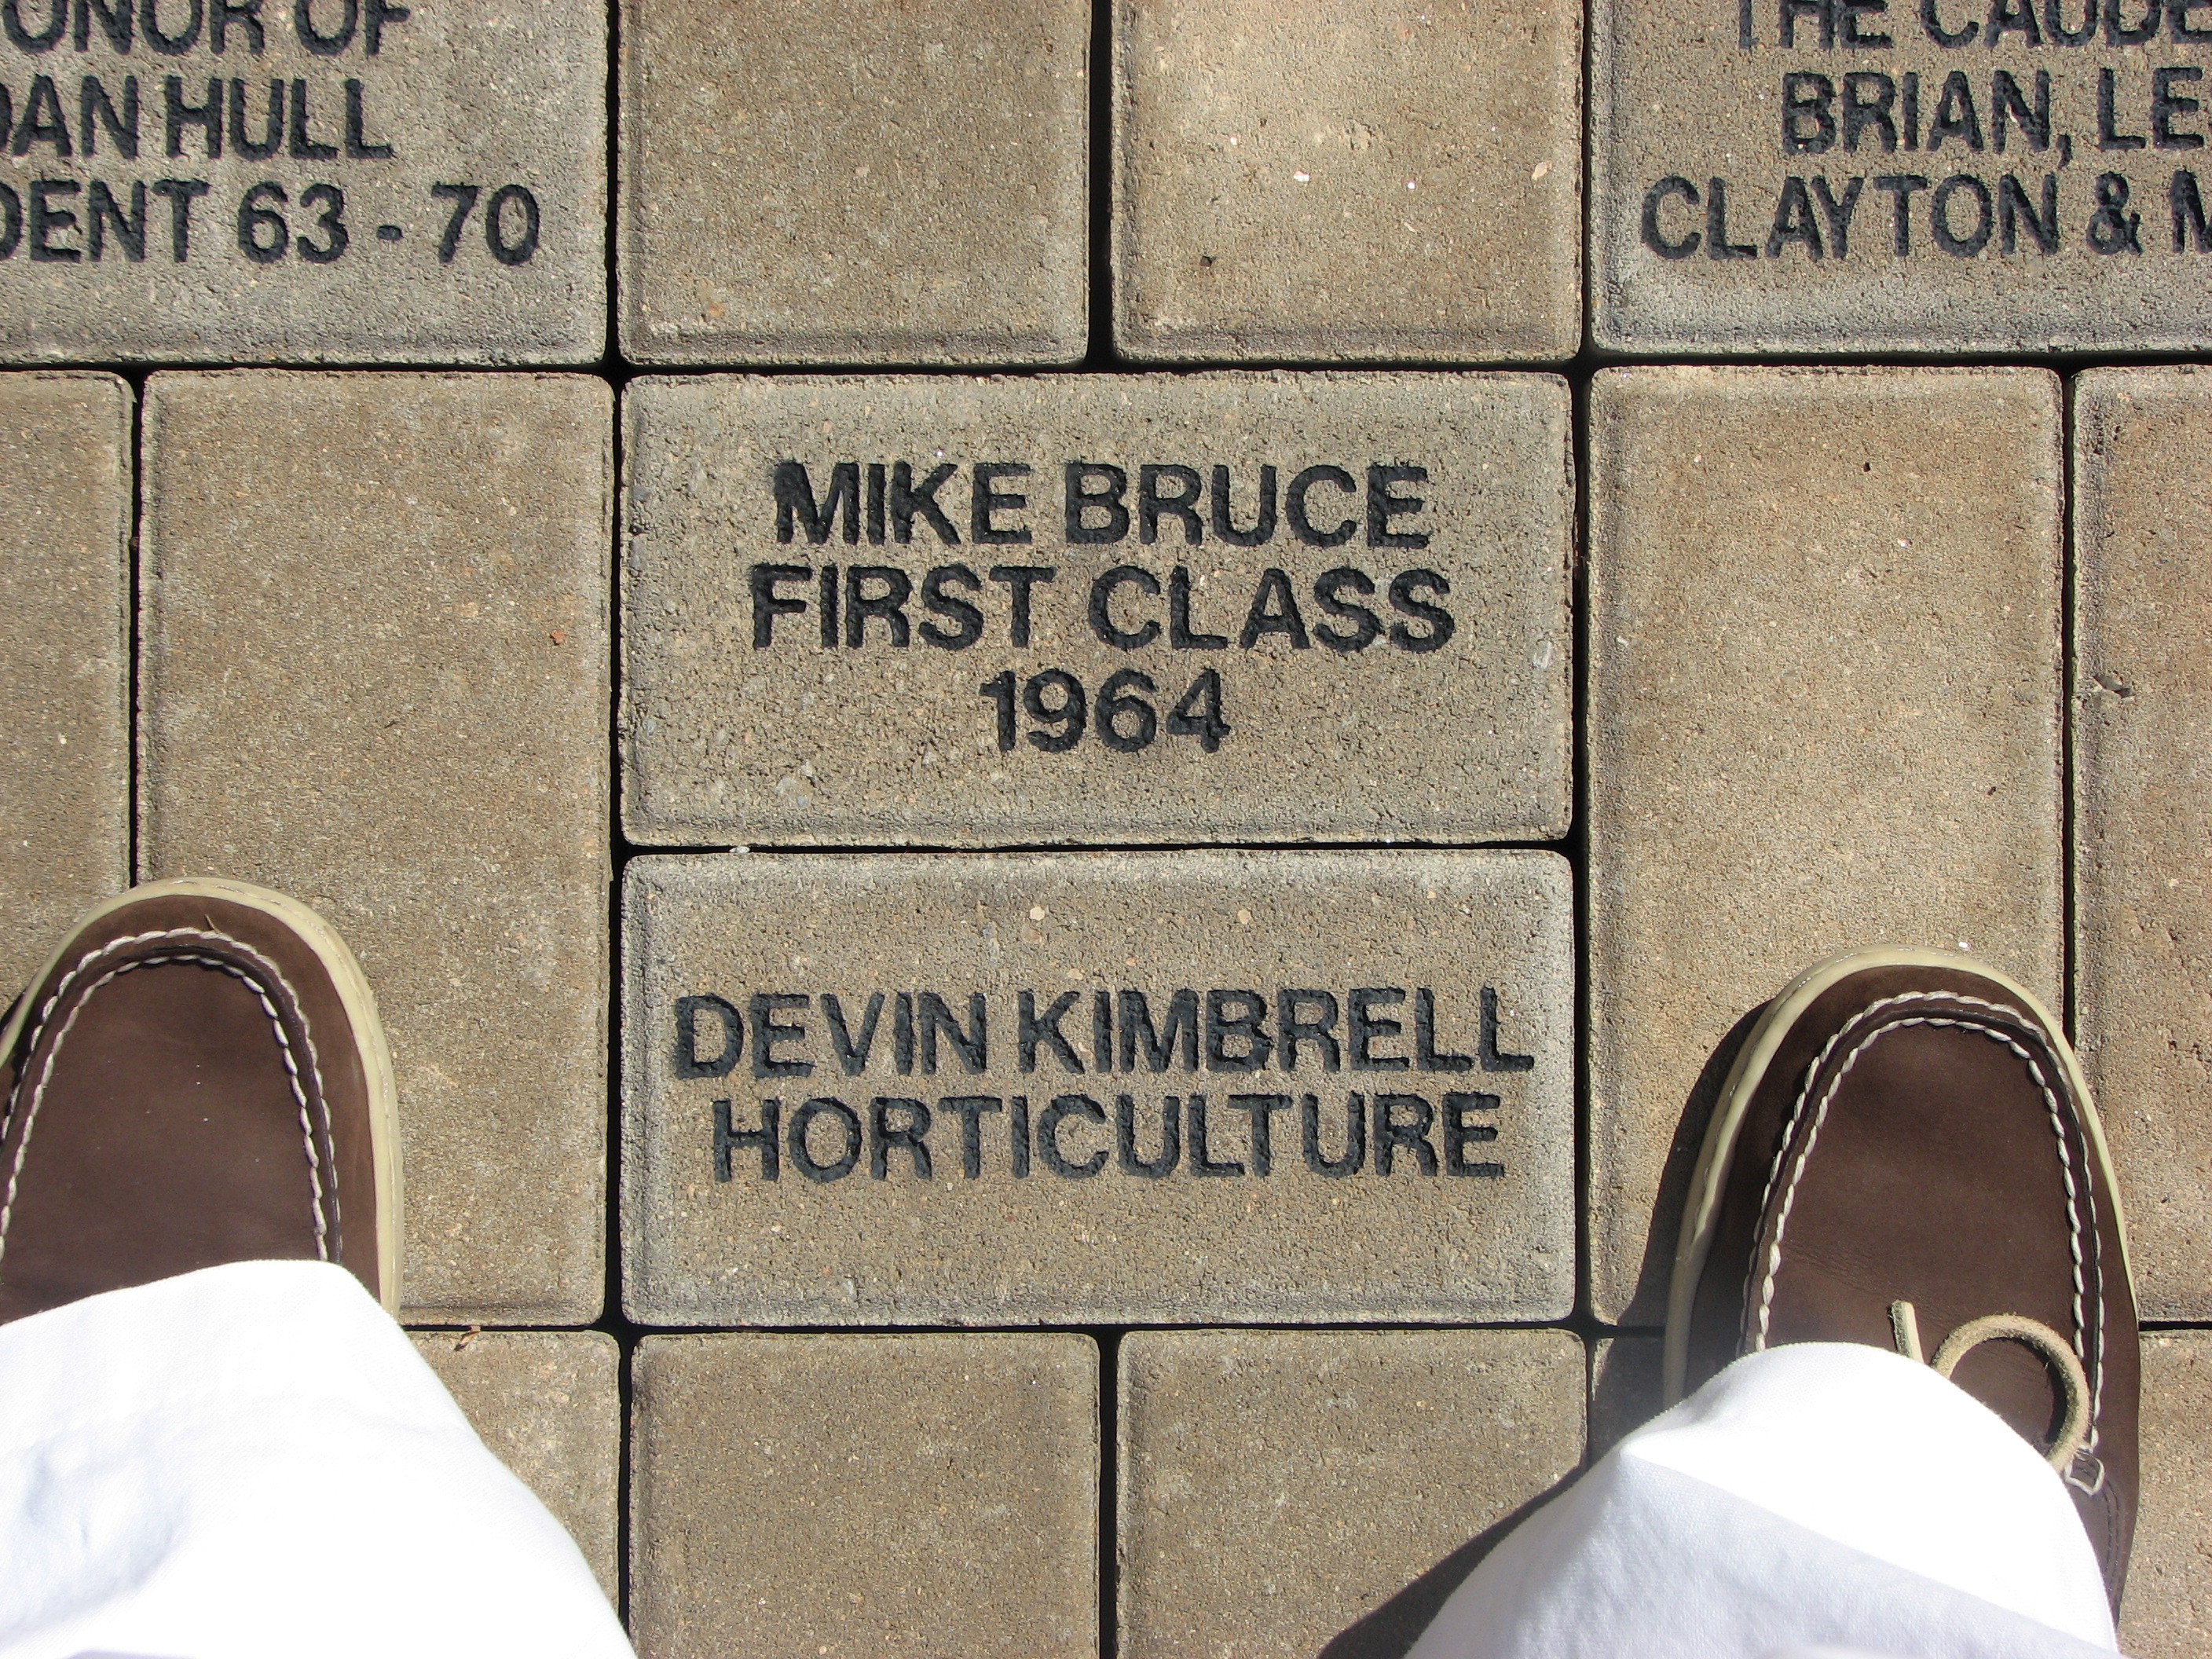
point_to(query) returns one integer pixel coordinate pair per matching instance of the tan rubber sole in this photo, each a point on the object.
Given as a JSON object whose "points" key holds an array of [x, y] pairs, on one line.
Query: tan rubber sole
{"points": [[360, 1003], [1701, 1212]]}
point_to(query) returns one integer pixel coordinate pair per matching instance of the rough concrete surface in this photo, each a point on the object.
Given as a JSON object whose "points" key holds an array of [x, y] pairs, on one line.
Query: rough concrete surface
{"points": [[1278, 1487], [2167, 1614], [1625, 1388], [1476, 1226], [855, 1495], [1881, 191], [2142, 735], [1823, 639], [373, 673], [197, 184], [547, 1404], [852, 183], [1385, 670], [1378, 181], [64, 657]]}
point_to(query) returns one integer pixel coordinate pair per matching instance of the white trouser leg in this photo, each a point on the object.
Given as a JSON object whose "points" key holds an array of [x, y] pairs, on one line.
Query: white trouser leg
{"points": [[1821, 1495], [253, 1460]]}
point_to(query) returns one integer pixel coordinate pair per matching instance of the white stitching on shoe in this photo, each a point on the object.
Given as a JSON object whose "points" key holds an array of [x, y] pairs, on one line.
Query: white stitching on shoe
{"points": [[2077, 1197], [324, 1232]]}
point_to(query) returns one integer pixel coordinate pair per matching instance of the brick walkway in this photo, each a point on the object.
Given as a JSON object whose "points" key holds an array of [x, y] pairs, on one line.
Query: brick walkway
{"points": [[691, 756]]}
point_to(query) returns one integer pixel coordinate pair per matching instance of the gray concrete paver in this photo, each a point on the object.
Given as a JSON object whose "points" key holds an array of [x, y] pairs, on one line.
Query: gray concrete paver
{"points": [[851, 183], [296, 183], [1823, 712], [1278, 1487], [1375, 181], [1056, 1088], [65, 658], [547, 1404], [2143, 730], [373, 673], [1839, 181], [926, 1495], [1387, 659]]}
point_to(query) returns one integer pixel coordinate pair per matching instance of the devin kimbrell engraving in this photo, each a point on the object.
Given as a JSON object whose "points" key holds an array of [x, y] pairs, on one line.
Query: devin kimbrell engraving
{"points": [[1076, 1135]]}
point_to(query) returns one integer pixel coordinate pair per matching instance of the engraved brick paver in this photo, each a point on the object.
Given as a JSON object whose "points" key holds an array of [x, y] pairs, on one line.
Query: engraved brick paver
{"points": [[1112, 609], [853, 183], [1158, 1088], [374, 665], [1380, 181], [1823, 634], [1278, 1486], [2143, 804], [65, 658], [304, 184], [1872, 178], [847, 1495], [548, 1404]]}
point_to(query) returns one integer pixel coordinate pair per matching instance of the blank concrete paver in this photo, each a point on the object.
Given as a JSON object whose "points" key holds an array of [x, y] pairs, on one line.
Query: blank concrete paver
{"points": [[2167, 1614], [65, 658], [1823, 637], [927, 1495], [1380, 181], [854, 183], [1278, 1487], [1164, 1088], [329, 183], [547, 1404], [1877, 178], [2143, 732], [373, 673], [1263, 607]]}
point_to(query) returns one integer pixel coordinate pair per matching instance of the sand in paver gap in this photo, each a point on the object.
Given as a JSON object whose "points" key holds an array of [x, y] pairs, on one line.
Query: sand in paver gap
{"points": [[850, 183], [1823, 640], [1376, 181], [1279, 1487], [926, 1495], [1165, 1088], [944, 612], [304, 184], [1945, 179], [64, 651], [373, 673], [549, 1406], [2143, 727]]}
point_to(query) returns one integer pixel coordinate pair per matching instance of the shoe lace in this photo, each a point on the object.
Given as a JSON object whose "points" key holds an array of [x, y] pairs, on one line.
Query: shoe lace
{"points": [[2073, 1431]]}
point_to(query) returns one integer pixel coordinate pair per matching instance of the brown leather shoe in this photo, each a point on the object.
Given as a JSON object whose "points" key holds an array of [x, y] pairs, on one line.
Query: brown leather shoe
{"points": [[197, 1077], [1905, 1153]]}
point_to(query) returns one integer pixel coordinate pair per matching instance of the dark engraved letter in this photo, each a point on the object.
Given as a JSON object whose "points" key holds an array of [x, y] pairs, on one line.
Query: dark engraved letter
{"points": [[1201, 1161], [1390, 1133], [884, 1134], [1064, 1107], [689, 1062], [767, 1033], [1459, 1134], [729, 1138], [1125, 1138], [1261, 1109], [1159, 1047], [1033, 1028], [848, 1123], [794, 499], [1355, 1136]]}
